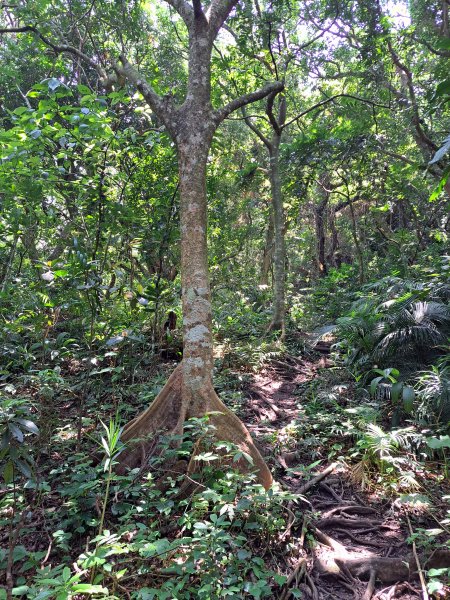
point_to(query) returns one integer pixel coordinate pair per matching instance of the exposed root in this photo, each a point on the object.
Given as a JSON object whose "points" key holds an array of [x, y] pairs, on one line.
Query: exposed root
{"points": [[294, 578], [370, 586], [387, 570], [357, 540], [312, 587], [343, 523], [277, 326], [417, 561], [348, 509], [165, 414], [340, 562], [168, 413], [228, 427]]}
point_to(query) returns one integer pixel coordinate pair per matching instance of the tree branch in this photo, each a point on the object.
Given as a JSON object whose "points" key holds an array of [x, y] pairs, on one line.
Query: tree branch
{"points": [[217, 14], [398, 156], [183, 9], [198, 10], [163, 107], [407, 82], [330, 99], [221, 113], [445, 53], [269, 112], [58, 49], [255, 129]]}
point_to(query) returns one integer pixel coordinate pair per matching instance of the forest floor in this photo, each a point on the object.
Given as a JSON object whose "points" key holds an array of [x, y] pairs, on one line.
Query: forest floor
{"points": [[343, 533], [359, 524]]}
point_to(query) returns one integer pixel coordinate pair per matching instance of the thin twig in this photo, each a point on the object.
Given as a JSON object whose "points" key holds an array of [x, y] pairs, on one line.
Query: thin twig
{"points": [[419, 568]]}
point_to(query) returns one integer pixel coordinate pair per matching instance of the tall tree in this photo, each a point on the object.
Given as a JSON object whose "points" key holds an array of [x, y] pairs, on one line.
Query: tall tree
{"points": [[189, 391]]}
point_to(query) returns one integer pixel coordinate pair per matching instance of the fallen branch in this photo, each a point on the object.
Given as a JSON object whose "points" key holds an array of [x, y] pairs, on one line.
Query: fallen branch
{"points": [[312, 482]]}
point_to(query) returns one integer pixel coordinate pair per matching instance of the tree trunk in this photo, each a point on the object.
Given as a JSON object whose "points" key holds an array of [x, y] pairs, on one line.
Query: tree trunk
{"points": [[334, 257], [189, 391], [279, 255], [268, 251], [359, 253], [196, 295], [320, 218]]}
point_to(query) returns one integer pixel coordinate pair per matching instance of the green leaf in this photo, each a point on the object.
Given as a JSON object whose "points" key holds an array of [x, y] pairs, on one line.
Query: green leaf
{"points": [[408, 399], [434, 586], [443, 88], [395, 391], [8, 472], [23, 467], [441, 152], [35, 133], [438, 190], [20, 590], [29, 425], [443, 43], [437, 572], [87, 588], [15, 432], [439, 443], [374, 384], [53, 84]]}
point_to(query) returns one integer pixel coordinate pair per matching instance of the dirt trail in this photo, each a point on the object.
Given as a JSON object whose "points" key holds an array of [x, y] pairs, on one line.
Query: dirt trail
{"points": [[360, 551]]}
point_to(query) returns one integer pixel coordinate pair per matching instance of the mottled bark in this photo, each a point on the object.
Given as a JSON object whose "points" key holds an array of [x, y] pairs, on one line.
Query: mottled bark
{"points": [[279, 253], [268, 250], [334, 257], [359, 252], [196, 296], [320, 217], [279, 229]]}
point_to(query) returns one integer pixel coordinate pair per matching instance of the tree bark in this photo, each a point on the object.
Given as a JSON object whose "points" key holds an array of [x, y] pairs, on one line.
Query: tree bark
{"points": [[189, 391], [196, 295], [358, 249], [279, 254], [320, 238], [334, 257], [279, 229], [268, 250], [320, 218]]}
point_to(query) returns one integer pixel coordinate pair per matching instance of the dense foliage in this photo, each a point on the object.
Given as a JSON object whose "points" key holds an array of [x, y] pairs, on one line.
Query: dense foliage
{"points": [[350, 216]]}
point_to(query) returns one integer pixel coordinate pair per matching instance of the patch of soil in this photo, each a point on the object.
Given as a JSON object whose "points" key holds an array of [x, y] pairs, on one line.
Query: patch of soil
{"points": [[355, 548]]}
